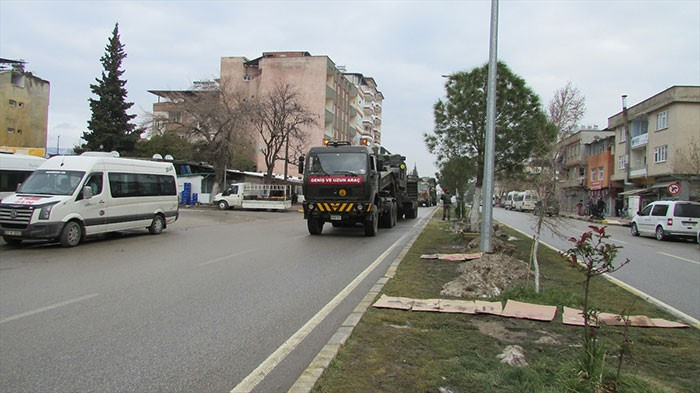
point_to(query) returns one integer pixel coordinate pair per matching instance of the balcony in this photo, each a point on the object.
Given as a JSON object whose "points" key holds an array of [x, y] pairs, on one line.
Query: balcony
{"points": [[638, 172], [639, 141]]}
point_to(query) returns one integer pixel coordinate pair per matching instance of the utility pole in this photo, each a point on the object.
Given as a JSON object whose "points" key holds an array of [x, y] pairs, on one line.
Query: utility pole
{"points": [[487, 191], [628, 140]]}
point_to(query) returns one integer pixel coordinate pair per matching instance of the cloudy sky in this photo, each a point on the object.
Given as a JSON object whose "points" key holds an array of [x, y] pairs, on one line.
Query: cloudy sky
{"points": [[604, 48]]}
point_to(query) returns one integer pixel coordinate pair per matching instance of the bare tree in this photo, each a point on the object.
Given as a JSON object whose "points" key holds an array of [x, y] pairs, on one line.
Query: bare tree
{"points": [[216, 119], [686, 166], [280, 121], [566, 109]]}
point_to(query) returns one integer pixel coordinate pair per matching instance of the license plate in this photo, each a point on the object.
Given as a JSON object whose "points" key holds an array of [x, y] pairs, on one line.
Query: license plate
{"points": [[336, 217], [13, 233]]}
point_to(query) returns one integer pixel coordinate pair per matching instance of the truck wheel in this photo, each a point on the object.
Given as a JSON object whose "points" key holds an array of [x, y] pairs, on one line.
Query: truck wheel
{"points": [[372, 225], [223, 205], [71, 234], [315, 225], [412, 213]]}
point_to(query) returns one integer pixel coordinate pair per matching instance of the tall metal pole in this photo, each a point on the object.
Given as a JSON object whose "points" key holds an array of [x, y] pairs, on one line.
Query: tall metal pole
{"points": [[628, 140], [487, 186]]}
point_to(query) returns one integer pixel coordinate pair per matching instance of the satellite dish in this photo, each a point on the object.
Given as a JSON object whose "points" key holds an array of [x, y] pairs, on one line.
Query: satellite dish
{"points": [[157, 157], [168, 157]]}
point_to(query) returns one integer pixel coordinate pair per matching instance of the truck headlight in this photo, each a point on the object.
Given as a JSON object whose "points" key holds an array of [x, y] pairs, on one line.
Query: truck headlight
{"points": [[311, 206], [360, 207], [45, 211]]}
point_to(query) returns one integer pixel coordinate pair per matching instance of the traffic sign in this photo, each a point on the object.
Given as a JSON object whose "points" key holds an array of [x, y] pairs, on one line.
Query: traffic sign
{"points": [[674, 188]]}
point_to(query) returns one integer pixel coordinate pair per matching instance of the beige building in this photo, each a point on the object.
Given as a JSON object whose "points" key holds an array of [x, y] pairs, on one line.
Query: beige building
{"points": [[574, 180], [663, 129], [24, 109], [347, 105]]}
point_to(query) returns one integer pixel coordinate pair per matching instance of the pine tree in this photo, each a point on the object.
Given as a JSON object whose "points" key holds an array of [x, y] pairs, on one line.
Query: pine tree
{"points": [[109, 126]]}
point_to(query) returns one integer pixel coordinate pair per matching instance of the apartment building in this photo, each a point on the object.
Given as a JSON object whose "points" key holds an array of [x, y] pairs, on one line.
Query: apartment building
{"points": [[24, 109], [662, 130], [600, 167], [347, 105], [574, 179]]}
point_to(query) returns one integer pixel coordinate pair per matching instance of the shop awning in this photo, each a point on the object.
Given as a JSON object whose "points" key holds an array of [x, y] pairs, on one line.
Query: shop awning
{"points": [[632, 192], [663, 185]]}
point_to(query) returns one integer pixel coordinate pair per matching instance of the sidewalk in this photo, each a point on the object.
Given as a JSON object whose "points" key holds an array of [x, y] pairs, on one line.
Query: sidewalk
{"points": [[609, 220]]}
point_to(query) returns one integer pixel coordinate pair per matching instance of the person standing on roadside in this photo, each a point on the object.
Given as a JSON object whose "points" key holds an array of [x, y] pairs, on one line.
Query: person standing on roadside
{"points": [[446, 204]]}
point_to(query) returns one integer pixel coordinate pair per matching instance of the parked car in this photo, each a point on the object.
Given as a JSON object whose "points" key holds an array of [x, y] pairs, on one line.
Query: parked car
{"points": [[552, 208], [668, 219]]}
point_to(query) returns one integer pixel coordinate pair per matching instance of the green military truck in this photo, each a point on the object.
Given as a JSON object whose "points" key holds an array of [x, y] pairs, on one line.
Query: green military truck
{"points": [[427, 191], [355, 185]]}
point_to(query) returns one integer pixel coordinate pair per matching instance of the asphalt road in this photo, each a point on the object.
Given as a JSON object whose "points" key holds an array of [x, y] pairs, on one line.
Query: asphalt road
{"points": [[665, 270], [195, 309]]}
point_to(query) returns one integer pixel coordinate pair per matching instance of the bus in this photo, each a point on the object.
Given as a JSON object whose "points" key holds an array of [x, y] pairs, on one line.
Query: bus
{"points": [[70, 197], [14, 169]]}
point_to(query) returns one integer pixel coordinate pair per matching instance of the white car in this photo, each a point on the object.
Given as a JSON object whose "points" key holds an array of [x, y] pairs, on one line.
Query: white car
{"points": [[666, 219]]}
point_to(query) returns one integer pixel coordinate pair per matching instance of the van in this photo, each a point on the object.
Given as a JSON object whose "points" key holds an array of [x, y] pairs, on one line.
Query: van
{"points": [[525, 201], [70, 197], [509, 203], [15, 169], [668, 219]]}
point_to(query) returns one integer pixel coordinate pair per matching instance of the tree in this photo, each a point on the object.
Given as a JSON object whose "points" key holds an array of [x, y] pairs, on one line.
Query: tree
{"points": [[454, 175], [280, 120], [110, 127], [460, 124], [565, 110], [216, 119]]}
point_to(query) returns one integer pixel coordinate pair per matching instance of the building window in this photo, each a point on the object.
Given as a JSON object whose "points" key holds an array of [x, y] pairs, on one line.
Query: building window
{"points": [[660, 153], [13, 103], [621, 162], [10, 130], [601, 171], [661, 120], [593, 174]]}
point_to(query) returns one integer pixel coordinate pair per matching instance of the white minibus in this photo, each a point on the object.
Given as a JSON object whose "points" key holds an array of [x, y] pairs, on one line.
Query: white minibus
{"points": [[70, 197], [510, 200], [14, 169], [525, 201]]}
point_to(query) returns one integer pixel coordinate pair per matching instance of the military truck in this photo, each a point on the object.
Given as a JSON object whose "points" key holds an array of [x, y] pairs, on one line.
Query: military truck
{"points": [[427, 191], [356, 185]]}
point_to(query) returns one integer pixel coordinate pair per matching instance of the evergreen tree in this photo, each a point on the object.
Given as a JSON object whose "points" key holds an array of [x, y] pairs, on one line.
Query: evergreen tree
{"points": [[109, 126]]}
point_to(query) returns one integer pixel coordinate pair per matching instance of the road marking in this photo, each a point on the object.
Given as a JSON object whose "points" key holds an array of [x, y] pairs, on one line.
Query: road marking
{"points": [[255, 377], [617, 241], [47, 308], [226, 257], [681, 258]]}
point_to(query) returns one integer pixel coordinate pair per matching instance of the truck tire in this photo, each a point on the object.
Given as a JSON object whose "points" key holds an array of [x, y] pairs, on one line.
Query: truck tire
{"points": [[315, 225], [412, 213], [372, 224], [223, 205]]}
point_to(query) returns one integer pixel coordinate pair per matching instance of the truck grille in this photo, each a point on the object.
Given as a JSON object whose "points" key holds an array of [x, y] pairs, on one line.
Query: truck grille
{"points": [[15, 215]]}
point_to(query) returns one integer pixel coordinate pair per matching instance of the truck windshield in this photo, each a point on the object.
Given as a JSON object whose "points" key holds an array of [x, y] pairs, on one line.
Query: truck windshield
{"points": [[338, 164], [51, 182]]}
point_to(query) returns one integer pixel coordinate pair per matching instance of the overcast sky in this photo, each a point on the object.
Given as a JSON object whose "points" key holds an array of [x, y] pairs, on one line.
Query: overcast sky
{"points": [[604, 48]]}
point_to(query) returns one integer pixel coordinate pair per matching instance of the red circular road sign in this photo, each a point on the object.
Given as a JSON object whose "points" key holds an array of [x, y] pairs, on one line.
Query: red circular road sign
{"points": [[674, 188]]}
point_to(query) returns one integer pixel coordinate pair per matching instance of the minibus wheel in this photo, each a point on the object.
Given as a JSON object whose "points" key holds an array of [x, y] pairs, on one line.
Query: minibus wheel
{"points": [[157, 225], [71, 234]]}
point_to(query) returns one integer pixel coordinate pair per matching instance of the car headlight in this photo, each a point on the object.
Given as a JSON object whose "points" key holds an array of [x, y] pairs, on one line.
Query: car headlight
{"points": [[45, 211]]}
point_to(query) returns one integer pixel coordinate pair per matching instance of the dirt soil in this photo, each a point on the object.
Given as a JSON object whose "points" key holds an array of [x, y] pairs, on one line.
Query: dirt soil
{"points": [[486, 277]]}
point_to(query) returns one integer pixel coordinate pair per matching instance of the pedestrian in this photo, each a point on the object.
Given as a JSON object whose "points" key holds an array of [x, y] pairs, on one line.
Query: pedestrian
{"points": [[446, 204], [601, 207], [579, 207]]}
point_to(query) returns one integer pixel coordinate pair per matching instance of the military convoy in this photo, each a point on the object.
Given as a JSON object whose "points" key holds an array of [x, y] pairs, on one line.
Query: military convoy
{"points": [[427, 191], [356, 185]]}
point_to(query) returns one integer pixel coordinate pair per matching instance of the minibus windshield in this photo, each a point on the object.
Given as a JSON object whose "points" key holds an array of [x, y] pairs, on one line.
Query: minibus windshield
{"points": [[52, 182]]}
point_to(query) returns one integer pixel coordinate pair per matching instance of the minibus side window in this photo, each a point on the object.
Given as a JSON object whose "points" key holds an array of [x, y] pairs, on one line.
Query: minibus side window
{"points": [[94, 181]]}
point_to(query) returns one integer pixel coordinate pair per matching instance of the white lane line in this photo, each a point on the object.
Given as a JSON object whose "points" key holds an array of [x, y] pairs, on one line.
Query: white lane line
{"points": [[255, 377], [226, 257], [47, 308], [617, 241], [681, 258]]}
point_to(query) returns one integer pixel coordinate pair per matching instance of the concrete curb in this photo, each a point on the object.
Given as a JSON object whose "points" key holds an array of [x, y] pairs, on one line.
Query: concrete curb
{"points": [[323, 359]]}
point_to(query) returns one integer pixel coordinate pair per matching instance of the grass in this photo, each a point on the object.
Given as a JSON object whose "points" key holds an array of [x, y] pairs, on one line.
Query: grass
{"points": [[402, 351]]}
